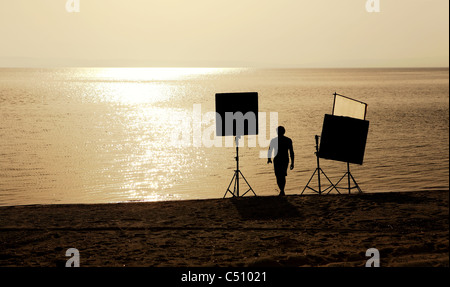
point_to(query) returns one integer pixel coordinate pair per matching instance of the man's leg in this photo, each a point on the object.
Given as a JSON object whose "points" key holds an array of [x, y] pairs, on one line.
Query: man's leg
{"points": [[281, 181]]}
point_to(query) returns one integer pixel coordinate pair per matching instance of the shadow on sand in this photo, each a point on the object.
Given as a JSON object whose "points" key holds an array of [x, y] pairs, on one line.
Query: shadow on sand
{"points": [[394, 197], [265, 207]]}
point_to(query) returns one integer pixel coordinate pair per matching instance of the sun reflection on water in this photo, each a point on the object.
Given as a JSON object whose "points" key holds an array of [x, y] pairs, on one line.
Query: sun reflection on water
{"points": [[144, 85], [139, 158]]}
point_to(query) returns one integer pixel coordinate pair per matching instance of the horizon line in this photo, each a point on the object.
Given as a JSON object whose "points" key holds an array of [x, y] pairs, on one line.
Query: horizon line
{"points": [[222, 67]]}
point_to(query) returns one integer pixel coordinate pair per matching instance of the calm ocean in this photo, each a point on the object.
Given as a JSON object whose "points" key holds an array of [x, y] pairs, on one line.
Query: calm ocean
{"points": [[106, 135]]}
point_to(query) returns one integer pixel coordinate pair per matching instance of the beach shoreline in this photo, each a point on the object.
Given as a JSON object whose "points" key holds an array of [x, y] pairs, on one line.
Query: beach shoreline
{"points": [[407, 228]]}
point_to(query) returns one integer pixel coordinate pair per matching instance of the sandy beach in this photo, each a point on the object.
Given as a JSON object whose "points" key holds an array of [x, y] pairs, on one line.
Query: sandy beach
{"points": [[408, 229]]}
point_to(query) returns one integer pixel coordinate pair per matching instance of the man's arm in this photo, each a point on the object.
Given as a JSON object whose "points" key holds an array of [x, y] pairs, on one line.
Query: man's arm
{"points": [[291, 153], [269, 153]]}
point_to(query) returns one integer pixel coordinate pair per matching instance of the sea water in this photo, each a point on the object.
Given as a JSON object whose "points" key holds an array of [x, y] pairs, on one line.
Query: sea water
{"points": [[102, 135]]}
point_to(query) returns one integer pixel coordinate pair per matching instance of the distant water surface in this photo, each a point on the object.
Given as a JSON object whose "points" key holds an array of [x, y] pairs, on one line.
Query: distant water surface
{"points": [[105, 135]]}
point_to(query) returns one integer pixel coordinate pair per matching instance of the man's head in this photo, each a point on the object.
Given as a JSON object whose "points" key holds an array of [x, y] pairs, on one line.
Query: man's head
{"points": [[281, 131]]}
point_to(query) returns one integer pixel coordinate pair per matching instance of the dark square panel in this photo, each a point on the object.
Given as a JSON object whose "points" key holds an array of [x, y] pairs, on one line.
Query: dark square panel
{"points": [[244, 114], [343, 139]]}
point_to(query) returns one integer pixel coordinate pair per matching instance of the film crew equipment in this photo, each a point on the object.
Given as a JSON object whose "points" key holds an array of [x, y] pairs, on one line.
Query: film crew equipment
{"points": [[319, 170], [344, 137], [233, 111], [348, 107]]}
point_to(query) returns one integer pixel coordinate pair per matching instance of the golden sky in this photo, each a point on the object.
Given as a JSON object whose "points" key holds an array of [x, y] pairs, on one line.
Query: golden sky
{"points": [[210, 33]]}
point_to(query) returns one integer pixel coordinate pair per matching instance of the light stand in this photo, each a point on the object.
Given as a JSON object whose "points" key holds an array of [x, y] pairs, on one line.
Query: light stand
{"points": [[319, 170], [235, 177], [349, 176]]}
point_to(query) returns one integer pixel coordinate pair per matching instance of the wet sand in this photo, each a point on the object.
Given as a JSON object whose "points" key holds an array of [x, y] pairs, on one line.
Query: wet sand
{"points": [[408, 229]]}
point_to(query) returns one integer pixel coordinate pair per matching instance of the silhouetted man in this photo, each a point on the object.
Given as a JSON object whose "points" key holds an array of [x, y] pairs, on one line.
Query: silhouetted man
{"points": [[282, 148]]}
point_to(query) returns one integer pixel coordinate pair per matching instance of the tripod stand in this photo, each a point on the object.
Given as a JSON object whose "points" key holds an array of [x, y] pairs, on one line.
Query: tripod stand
{"points": [[349, 176], [235, 177], [319, 170]]}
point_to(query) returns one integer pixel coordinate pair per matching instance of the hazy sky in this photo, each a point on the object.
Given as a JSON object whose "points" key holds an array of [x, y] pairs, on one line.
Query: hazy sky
{"points": [[259, 33]]}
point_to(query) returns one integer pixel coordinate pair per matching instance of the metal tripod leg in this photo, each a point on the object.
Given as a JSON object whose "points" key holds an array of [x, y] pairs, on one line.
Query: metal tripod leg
{"points": [[331, 184], [318, 170], [247, 184], [320, 191], [349, 177], [228, 188], [235, 177], [236, 187], [307, 185]]}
